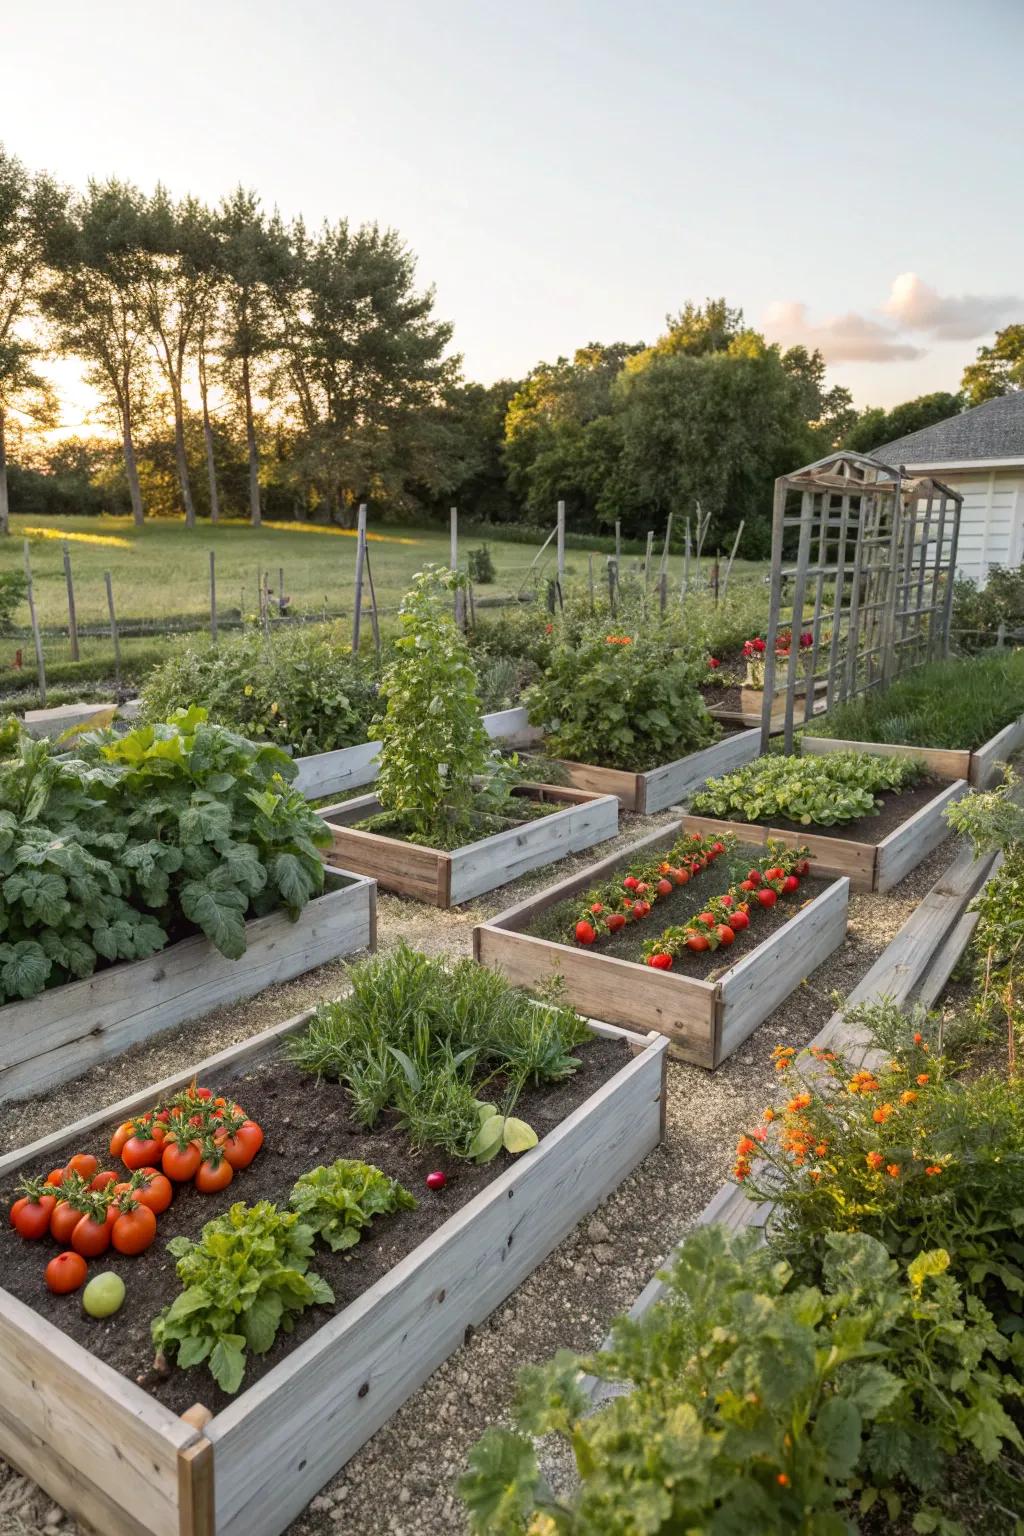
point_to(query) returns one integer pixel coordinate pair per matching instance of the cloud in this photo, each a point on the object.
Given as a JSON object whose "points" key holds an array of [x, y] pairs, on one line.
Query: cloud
{"points": [[848, 338], [918, 307]]}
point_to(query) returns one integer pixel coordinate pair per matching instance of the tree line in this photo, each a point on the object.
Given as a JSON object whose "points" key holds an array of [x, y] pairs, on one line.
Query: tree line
{"points": [[247, 365]]}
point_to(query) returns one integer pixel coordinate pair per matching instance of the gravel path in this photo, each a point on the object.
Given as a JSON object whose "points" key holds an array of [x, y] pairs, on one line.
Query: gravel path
{"points": [[402, 1482]]}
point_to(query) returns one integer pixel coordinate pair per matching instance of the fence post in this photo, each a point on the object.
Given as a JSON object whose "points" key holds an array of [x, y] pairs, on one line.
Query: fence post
{"points": [[453, 562], [113, 628], [647, 555], [69, 582], [374, 620], [36, 636], [561, 546], [664, 552], [663, 592], [280, 590], [590, 576], [612, 573], [213, 597], [618, 542], [732, 557], [357, 611]]}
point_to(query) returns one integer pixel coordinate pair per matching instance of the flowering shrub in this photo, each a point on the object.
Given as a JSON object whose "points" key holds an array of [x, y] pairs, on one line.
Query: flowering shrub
{"points": [[621, 701], [759, 1405]]}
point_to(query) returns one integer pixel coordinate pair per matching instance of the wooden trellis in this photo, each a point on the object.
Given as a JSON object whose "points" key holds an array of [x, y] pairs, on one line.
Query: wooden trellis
{"points": [[864, 556]]}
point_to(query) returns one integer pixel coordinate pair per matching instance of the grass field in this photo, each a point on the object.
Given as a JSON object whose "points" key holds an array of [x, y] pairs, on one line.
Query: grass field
{"points": [[162, 572]]}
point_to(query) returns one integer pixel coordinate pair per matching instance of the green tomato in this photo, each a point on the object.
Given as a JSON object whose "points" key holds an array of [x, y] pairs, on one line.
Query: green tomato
{"points": [[103, 1295]]}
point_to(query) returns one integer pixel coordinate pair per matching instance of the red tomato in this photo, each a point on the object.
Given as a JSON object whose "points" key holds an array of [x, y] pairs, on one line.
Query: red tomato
{"points": [[180, 1161], [203, 1093], [616, 921], [214, 1174], [660, 962], [790, 884], [120, 1136], [726, 900], [738, 921], [585, 933], [65, 1273], [706, 918], [803, 868], [63, 1221], [240, 1149], [141, 1152], [725, 934], [55, 1177], [84, 1164], [596, 908], [630, 883], [767, 897], [103, 1179], [754, 876], [664, 887], [642, 887], [134, 1230], [30, 1217], [697, 941], [641, 908], [156, 1191], [91, 1237], [681, 876], [717, 848], [775, 873]]}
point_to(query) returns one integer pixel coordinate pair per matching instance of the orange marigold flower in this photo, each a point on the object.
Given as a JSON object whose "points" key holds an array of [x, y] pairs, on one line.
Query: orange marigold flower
{"points": [[881, 1114], [741, 1171], [744, 1147], [922, 1078], [821, 1149], [782, 1480], [894, 1170], [815, 1174], [874, 1160], [769, 1115], [919, 1038], [933, 1169], [908, 1097], [800, 1102]]}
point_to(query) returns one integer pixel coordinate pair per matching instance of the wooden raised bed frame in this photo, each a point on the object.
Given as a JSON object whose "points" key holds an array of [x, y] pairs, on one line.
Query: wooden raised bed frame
{"points": [[59, 1034], [705, 1021], [125, 1465], [445, 879], [669, 783], [979, 767], [869, 866]]}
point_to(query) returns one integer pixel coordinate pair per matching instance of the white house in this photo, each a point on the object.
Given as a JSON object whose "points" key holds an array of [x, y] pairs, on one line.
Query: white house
{"points": [[979, 453]]}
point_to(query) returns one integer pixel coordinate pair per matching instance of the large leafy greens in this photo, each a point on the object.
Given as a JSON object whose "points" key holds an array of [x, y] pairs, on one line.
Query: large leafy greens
{"points": [[337, 1202], [113, 848]]}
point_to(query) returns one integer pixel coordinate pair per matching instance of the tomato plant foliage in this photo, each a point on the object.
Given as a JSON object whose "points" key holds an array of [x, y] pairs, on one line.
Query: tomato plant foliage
{"points": [[113, 848]]}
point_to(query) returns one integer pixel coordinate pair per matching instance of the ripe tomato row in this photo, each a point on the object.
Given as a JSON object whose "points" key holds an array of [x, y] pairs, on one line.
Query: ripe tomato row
{"points": [[729, 914], [610, 909], [194, 1138]]}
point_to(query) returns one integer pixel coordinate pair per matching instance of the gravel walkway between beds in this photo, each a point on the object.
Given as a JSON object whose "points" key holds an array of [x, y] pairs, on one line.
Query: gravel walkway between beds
{"points": [[402, 1482]]}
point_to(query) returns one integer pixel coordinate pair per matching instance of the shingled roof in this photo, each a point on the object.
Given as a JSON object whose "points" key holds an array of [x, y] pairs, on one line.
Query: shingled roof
{"points": [[994, 430]]}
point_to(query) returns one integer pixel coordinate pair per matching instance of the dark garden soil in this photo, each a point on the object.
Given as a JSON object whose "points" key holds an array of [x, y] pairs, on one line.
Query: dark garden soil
{"points": [[897, 806], [557, 923], [306, 1123], [469, 829], [716, 697]]}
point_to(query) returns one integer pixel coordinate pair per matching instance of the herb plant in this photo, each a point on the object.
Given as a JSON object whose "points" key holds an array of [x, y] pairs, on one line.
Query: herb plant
{"points": [[758, 1404], [480, 565], [112, 849], [822, 791], [245, 1279], [428, 1041], [621, 700], [338, 1202]]}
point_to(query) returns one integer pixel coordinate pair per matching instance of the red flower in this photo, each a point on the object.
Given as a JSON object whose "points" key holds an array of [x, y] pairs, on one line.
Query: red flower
{"points": [[713, 662]]}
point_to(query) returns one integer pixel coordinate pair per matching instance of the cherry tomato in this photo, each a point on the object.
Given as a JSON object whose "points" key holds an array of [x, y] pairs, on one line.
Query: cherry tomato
{"points": [[754, 876], [616, 920], [664, 887], [84, 1164], [90, 1237], [681, 876], [156, 1191], [214, 1174], [738, 921], [65, 1273], [585, 933], [790, 884], [134, 1230], [30, 1217]]}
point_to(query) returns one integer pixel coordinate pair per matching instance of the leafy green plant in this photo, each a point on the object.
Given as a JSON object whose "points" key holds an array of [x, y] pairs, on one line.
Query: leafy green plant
{"points": [[480, 564], [822, 791], [13, 588], [111, 849], [978, 612], [955, 704], [425, 1039], [758, 1404], [302, 689], [246, 1279], [338, 1202], [621, 700]]}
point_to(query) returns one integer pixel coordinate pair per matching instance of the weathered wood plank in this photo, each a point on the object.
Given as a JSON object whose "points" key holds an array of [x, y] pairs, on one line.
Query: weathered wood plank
{"points": [[405, 868], [293, 1430], [832, 855], [752, 988], [942, 763], [984, 770], [52, 1038], [672, 782], [904, 848], [496, 860], [196, 1510], [627, 786], [69, 1416]]}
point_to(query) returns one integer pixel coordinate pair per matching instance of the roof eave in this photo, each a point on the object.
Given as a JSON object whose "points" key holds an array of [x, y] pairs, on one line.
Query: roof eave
{"points": [[929, 466]]}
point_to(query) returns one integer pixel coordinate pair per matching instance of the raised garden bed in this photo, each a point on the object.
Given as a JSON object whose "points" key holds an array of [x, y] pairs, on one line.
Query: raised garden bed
{"points": [[335, 773], [705, 1019], [669, 783], [126, 1464], [444, 879], [875, 852], [62, 1032], [979, 767]]}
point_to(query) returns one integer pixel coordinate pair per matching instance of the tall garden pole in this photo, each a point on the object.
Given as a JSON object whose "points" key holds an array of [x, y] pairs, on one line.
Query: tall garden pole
{"points": [[374, 620], [664, 552], [213, 597], [36, 636], [561, 545], [647, 555], [732, 557], [453, 562], [590, 573], [113, 628], [618, 542], [357, 611], [69, 582], [280, 589]]}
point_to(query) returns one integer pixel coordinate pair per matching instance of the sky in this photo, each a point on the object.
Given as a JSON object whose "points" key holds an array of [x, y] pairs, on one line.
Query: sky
{"points": [[569, 171]]}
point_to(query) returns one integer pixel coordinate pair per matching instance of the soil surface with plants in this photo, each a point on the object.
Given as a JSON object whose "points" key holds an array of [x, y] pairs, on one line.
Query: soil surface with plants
{"points": [[305, 1123], [896, 807]]}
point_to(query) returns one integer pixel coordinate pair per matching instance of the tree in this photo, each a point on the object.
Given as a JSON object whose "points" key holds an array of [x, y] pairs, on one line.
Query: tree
{"points": [[474, 418], [875, 427], [28, 206], [829, 413], [999, 369], [95, 301], [700, 329]]}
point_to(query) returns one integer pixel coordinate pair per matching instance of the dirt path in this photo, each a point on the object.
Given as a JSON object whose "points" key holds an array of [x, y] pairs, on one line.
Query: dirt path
{"points": [[402, 1482]]}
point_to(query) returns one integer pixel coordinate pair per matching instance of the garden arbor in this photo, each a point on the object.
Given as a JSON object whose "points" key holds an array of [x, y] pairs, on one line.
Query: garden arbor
{"points": [[863, 558]]}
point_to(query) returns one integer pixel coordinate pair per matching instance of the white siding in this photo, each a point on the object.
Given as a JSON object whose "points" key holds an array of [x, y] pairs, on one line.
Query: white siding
{"points": [[992, 520]]}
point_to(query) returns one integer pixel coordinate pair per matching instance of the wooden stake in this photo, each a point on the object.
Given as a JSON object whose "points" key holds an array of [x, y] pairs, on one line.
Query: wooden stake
{"points": [[647, 556], [663, 592], [374, 621], [453, 562], [280, 590], [113, 628], [357, 611], [664, 551], [69, 582], [36, 636], [612, 576], [732, 557], [213, 597], [472, 605], [590, 574], [618, 542], [561, 546]]}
